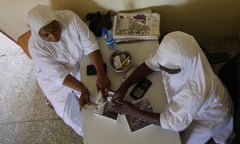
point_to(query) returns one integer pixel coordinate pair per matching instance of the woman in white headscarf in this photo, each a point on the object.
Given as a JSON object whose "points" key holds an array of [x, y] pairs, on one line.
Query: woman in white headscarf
{"points": [[58, 42], [198, 103]]}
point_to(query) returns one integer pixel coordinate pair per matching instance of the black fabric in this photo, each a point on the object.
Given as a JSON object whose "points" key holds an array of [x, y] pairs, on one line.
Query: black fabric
{"points": [[230, 76], [236, 140], [160, 38], [99, 21]]}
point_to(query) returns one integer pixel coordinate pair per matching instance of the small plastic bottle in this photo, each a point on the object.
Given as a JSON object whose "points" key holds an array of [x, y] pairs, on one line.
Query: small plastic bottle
{"points": [[108, 38]]}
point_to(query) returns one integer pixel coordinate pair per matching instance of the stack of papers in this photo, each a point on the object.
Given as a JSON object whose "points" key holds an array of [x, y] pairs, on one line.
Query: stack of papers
{"points": [[136, 123], [136, 26]]}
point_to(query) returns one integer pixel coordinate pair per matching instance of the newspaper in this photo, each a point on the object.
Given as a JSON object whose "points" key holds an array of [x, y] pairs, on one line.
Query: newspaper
{"points": [[136, 26], [136, 123]]}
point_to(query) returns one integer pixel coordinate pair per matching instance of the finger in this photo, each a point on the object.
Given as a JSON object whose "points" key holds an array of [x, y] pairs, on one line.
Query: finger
{"points": [[118, 109], [81, 104], [105, 91], [86, 99], [91, 103], [98, 87], [114, 98], [117, 104], [108, 86], [83, 101], [120, 102]]}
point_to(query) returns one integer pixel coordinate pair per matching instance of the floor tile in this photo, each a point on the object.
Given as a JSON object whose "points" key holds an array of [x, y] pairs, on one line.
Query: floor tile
{"points": [[20, 96], [38, 132]]}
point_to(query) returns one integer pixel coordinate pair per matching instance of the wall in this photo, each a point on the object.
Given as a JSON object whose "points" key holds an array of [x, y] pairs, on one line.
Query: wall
{"points": [[13, 15], [202, 18]]}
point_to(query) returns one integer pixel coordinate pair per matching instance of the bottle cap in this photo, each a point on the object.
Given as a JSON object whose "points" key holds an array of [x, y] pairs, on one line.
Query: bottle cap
{"points": [[104, 30]]}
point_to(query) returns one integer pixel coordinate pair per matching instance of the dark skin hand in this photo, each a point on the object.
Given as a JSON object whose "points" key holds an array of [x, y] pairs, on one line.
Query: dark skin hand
{"points": [[128, 108], [73, 83], [103, 83], [125, 107], [139, 73]]}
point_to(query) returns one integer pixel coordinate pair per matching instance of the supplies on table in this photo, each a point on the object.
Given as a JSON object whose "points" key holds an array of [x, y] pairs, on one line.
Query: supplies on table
{"points": [[121, 60], [103, 107], [136, 26]]}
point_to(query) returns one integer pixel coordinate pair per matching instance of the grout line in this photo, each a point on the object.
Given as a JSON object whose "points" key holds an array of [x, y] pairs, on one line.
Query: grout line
{"points": [[13, 122]]}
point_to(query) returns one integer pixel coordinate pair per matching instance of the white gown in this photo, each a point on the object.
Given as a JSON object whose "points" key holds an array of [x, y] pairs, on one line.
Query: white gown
{"points": [[198, 103], [55, 60]]}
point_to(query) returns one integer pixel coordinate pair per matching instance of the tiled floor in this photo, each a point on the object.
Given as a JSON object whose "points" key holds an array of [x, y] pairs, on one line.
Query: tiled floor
{"points": [[24, 117]]}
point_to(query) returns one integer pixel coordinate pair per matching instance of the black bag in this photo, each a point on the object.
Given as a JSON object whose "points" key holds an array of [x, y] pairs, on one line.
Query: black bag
{"points": [[230, 76], [99, 21]]}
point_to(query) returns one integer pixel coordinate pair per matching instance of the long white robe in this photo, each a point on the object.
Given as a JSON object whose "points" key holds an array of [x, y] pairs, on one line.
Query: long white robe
{"points": [[198, 103], [55, 60]]}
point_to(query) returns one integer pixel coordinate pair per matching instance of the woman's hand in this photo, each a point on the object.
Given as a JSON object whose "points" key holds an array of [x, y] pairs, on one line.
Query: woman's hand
{"points": [[73, 83], [120, 93], [84, 98], [126, 108], [103, 84]]}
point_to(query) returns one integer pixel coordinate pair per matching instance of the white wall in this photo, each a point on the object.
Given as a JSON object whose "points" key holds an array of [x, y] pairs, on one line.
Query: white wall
{"points": [[120, 5], [13, 15], [202, 18]]}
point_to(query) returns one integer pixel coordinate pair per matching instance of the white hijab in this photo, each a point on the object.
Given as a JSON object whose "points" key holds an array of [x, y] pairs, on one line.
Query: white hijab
{"points": [[193, 94], [181, 50], [176, 50], [40, 16]]}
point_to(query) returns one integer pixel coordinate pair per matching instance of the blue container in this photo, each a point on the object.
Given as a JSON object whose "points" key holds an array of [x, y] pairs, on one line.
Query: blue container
{"points": [[108, 38]]}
